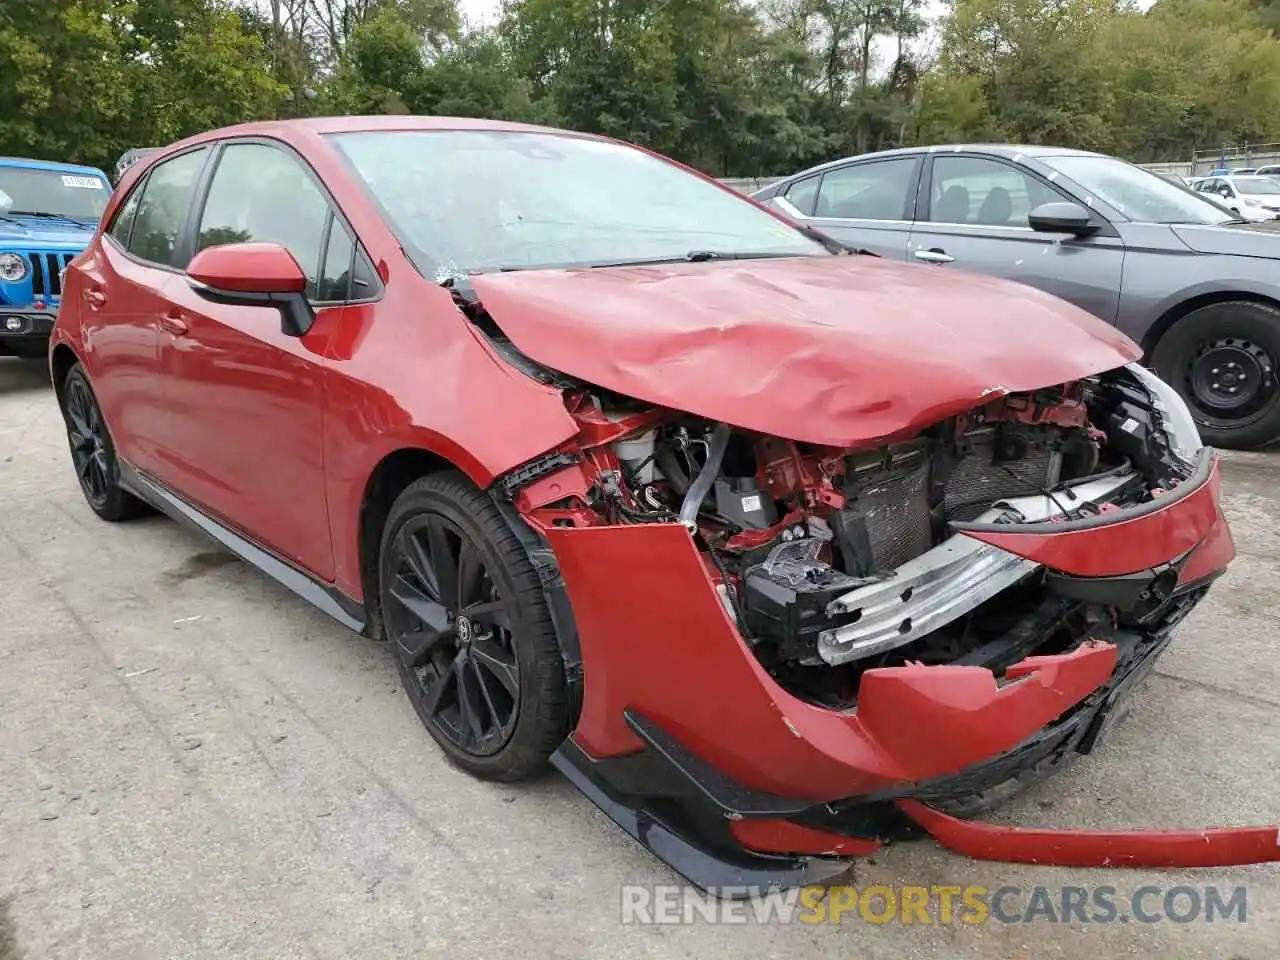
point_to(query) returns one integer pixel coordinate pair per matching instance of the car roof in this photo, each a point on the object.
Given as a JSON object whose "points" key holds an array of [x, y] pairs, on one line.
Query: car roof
{"points": [[1011, 151], [1244, 177], [365, 124], [27, 163]]}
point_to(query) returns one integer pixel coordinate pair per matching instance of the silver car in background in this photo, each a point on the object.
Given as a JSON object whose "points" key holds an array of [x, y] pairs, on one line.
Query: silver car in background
{"points": [[1250, 197], [1196, 284]]}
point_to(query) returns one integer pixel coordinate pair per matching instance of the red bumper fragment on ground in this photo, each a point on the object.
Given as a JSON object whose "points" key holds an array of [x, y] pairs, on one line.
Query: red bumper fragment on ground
{"points": [[1212, 847]]}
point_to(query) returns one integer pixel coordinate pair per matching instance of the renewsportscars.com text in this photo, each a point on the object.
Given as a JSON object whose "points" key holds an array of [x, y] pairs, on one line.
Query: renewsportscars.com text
{"points": [[937, 904]]}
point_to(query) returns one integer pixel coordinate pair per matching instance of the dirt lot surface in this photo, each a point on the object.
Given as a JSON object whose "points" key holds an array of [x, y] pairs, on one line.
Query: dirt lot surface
{"points": [[194, 763]]}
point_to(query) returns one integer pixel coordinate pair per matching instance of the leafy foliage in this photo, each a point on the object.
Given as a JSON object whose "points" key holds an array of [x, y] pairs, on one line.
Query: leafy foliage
{"points": [[734, 87]]}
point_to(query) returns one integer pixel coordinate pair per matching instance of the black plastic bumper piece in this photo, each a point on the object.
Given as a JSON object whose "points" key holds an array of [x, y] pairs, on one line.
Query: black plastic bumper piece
{"points": [[24, 333], [31, 323], [688, 833]]}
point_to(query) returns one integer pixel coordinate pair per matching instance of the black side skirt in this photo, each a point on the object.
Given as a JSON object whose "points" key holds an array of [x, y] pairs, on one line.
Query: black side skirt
{"points": [[347, 611]]}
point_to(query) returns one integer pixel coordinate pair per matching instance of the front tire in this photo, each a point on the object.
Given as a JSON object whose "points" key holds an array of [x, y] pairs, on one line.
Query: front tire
{"points": [[93, 454], [1223, 359], [468, 621]]}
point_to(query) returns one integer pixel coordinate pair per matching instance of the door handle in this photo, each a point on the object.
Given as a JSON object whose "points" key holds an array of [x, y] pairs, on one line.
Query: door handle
{"points": [[934, 256], [174, 324], [94, 297]]}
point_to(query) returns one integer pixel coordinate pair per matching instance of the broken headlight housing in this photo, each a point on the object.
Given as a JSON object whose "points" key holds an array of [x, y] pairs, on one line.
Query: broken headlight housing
{"points": [[1175, 417]]}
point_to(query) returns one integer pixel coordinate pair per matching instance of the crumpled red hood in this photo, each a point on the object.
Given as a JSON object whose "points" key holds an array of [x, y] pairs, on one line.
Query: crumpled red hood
{"points": [[839, 350]]}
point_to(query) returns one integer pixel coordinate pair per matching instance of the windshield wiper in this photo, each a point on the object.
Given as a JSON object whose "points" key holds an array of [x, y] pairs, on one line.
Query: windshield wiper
{"points": [[46, 215], [831, 243], [700, 256]]}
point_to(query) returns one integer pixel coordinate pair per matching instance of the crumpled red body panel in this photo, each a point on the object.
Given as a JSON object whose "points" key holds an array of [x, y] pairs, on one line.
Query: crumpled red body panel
{"points": [[656, 640], [1130, 546], [964, 707], [831, 350], [1210, 847]]}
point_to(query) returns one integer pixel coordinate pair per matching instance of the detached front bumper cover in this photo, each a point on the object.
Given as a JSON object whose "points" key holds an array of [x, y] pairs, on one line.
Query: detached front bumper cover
{"points": [[693, 748]]}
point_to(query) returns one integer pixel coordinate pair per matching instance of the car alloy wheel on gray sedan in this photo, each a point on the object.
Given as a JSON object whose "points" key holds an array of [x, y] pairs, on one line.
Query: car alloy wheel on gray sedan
{"points": [[1223, 359]]}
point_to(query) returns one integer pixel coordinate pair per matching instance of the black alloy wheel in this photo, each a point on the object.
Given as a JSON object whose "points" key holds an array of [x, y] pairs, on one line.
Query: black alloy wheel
{"points": [[88, 447], [473, 639], [1225, 361], [92, 453]]}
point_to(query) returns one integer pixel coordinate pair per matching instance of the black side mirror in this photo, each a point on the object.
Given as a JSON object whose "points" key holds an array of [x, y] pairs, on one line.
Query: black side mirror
{"points": [[1062, 216]]}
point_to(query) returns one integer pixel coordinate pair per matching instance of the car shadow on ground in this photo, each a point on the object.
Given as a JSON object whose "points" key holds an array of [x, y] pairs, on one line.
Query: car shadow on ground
{"points": [[23, 376]]}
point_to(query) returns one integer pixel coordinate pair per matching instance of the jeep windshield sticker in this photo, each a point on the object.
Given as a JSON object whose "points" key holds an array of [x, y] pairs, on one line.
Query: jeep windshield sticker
{"points": [[84, 183]]}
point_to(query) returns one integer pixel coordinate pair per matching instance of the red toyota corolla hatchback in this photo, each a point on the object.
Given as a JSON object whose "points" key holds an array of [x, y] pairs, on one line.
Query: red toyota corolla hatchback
{"points": [[777, 551]]}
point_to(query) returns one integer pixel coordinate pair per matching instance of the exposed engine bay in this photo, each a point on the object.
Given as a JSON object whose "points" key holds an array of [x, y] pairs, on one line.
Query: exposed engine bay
{"points": [[832, 561]]}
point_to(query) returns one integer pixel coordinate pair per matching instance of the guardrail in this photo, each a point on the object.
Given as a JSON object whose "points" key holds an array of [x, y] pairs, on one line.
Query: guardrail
{"points": [[748, 184]]}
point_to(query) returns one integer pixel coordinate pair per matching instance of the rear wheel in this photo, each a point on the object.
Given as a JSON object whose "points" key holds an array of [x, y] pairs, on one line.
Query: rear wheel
{"points": [[92, 453], [1223, 359], [473, 639]]}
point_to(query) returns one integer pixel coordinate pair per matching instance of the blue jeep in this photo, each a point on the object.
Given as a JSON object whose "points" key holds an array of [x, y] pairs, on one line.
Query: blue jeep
{"points": [[48, 213]]}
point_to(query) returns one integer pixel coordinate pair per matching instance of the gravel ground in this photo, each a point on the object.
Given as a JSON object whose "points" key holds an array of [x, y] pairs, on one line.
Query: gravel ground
{"points": [[193, 763]]}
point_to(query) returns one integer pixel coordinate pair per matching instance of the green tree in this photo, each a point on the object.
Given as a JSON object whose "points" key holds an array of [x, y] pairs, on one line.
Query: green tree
{"points": [[64, 85], [474, 78], [195, 65]]}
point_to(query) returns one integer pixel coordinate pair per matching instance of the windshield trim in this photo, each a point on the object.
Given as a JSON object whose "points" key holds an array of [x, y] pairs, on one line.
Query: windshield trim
{"points": [[422, 261]]}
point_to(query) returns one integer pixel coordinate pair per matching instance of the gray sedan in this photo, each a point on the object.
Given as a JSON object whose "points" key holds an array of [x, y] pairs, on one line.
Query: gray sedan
{"points": [[1196, 285]]}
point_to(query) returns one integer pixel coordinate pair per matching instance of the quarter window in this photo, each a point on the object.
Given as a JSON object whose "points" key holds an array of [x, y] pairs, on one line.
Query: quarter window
{"points": [[260, 193], [335, 280], [989, 193], [868, 191], [123, 224], [166, 196]]}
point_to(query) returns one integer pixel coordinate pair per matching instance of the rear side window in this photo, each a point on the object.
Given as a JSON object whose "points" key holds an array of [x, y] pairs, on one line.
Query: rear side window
{"points": [[260, 193], [868, 191], [161, 212]]}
